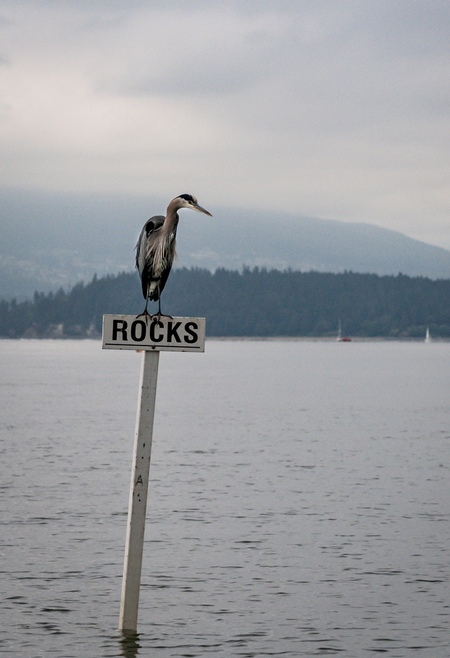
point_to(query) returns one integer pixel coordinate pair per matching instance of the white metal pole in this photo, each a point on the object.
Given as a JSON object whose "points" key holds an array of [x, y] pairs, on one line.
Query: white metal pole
{"points": [[132, 567]]}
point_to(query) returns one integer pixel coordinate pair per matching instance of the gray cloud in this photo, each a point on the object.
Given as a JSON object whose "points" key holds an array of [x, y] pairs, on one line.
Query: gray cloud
{"points": [[338, 108]]}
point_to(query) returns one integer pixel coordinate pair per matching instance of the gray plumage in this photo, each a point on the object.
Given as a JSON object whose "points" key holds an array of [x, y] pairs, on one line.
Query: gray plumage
{"points": [[155, 249]]}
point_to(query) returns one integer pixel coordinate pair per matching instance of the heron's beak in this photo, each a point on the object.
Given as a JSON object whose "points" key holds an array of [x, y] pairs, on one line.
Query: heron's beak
{"points": [[200, 209]]}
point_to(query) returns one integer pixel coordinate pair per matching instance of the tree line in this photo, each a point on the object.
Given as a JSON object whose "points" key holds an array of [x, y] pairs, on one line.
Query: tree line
{"points": [[253, 302]]}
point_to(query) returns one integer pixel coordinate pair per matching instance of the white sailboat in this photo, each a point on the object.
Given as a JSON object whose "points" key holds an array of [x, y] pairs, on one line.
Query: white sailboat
{"points": [[427, 336], [340, 338]]}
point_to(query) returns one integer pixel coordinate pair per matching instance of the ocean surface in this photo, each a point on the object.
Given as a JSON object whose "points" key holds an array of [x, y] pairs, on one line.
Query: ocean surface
{"points": [[299, 500]]}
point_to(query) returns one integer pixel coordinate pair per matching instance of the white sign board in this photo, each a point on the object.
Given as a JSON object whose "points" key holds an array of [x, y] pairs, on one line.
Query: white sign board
{"points": [[131, 332]]}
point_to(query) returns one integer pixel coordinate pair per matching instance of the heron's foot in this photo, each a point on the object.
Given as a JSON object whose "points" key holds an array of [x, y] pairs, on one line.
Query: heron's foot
{"points": [[160, 315], [145, 314]]}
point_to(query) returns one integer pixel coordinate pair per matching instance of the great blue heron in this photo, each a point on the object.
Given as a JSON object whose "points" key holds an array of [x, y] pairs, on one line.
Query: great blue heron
{"points": [[155, 249]]}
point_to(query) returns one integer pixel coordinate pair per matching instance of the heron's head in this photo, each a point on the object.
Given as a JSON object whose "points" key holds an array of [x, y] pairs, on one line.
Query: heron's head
{"points": [[189, 201]]}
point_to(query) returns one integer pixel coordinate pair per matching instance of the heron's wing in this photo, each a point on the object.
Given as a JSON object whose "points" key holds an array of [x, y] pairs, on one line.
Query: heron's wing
{"points": [[144, 252], [164, 277]]}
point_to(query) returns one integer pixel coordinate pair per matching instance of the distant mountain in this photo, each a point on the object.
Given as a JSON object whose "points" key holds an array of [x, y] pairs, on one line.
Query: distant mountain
{"points": [[302, 243], [51, 241]]}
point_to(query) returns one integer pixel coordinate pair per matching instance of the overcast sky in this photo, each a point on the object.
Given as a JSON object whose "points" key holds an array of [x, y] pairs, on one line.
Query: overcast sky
{"points": [[327, 108]]}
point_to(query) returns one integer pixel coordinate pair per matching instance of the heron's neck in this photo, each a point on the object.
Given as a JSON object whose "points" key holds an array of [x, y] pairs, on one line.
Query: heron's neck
{"points": [[172, 218], [171, 223]]}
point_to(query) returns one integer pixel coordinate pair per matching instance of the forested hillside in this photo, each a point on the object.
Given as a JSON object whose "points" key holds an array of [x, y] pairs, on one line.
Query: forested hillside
{"points": [[256, 302]]}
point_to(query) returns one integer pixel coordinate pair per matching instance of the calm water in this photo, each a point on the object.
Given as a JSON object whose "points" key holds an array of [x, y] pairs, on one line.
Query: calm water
{"points": [[299, 500]]}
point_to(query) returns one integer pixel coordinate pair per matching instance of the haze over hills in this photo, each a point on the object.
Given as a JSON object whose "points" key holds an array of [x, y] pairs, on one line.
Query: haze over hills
{"points": [[49, 241]]}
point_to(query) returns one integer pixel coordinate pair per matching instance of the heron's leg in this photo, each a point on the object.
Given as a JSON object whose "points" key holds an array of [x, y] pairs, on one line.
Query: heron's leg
{"points": [[145, 313], [160, 315]]}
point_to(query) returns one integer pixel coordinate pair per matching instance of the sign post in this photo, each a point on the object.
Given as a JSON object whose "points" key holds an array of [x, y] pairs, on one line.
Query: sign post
{"points": [[128, 332]]}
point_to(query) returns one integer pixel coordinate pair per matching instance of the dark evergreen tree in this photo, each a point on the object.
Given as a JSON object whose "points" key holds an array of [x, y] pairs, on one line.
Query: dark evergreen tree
{"points": [[254, 302]]}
